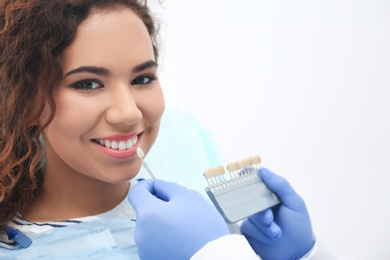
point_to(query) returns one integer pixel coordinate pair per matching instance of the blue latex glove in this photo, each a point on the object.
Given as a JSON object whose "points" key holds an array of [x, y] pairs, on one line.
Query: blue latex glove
{"points": [[283, 232], [173, 222]]}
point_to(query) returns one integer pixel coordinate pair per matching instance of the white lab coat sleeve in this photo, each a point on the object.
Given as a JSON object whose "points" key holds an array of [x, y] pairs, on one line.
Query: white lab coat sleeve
{"points": [[237, 247], [228, 247], [318, 252]]}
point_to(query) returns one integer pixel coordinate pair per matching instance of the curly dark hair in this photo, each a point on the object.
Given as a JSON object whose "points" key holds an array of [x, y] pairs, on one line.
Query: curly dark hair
{"points": [[33, 36]]}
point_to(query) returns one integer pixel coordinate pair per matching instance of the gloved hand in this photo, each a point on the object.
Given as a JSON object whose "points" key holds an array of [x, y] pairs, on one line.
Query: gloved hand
{"points": [[284, 231], [173, 222]]}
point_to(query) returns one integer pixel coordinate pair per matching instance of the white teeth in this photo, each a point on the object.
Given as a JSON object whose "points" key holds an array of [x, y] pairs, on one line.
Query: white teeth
{"points": [[129, 144], [114, 145], [119, 145], [122, 145]]}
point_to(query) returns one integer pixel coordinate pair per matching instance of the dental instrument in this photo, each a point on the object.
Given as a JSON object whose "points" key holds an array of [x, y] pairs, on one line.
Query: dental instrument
{"points": [[243, 193], [141, 155]]}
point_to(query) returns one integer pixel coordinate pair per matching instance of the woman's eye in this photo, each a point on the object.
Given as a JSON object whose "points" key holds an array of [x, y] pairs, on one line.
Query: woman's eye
{"points": [[87, 85], [143, 80]]}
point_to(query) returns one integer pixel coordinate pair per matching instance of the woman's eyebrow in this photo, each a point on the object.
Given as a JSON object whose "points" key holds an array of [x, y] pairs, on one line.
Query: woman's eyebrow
{"points": [[144, 66], [89, 69], [104, 72]]}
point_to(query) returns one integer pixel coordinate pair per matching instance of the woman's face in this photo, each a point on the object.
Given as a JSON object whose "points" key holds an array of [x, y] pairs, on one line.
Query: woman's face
{"points": [[108, 103]]}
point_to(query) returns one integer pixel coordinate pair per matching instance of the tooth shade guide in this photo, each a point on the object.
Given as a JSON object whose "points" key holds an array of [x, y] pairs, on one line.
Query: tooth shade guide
{"points": [[141, 154], [243, 194], [214, 175], [238, 170], [255, 159]]}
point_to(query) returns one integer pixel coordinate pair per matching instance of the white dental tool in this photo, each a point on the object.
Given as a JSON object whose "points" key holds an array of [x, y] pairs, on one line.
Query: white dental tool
{"points": [[141, 155]]}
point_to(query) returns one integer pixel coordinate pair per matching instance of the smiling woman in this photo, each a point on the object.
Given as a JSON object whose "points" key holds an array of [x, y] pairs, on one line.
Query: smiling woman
{"points": [[82, 99], [69, 154], [114, 83], [109, 93]]}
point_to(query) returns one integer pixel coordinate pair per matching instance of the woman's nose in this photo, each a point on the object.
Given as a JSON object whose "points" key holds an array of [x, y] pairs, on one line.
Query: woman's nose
{"points": [[123, 109]]}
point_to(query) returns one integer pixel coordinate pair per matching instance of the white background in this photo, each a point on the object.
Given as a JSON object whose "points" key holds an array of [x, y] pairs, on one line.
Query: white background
{"points": [[304, 84]]}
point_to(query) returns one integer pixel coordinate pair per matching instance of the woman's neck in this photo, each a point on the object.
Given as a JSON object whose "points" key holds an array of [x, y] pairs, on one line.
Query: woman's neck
{"points": [[68, 197]]}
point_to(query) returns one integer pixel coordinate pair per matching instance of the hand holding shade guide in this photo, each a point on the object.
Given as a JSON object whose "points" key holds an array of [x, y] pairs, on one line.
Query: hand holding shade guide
{"points": [[241, 194]]}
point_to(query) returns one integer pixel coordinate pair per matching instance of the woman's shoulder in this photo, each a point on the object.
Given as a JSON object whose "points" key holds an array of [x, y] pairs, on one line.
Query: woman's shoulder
{"points": [[31, 228]]}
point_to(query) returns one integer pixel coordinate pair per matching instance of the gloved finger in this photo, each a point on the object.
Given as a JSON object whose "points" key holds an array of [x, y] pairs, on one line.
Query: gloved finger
{"points": [[283, 190], [168, 190], [264, 217], [142, 193], [264, 223], [262, 233]]}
